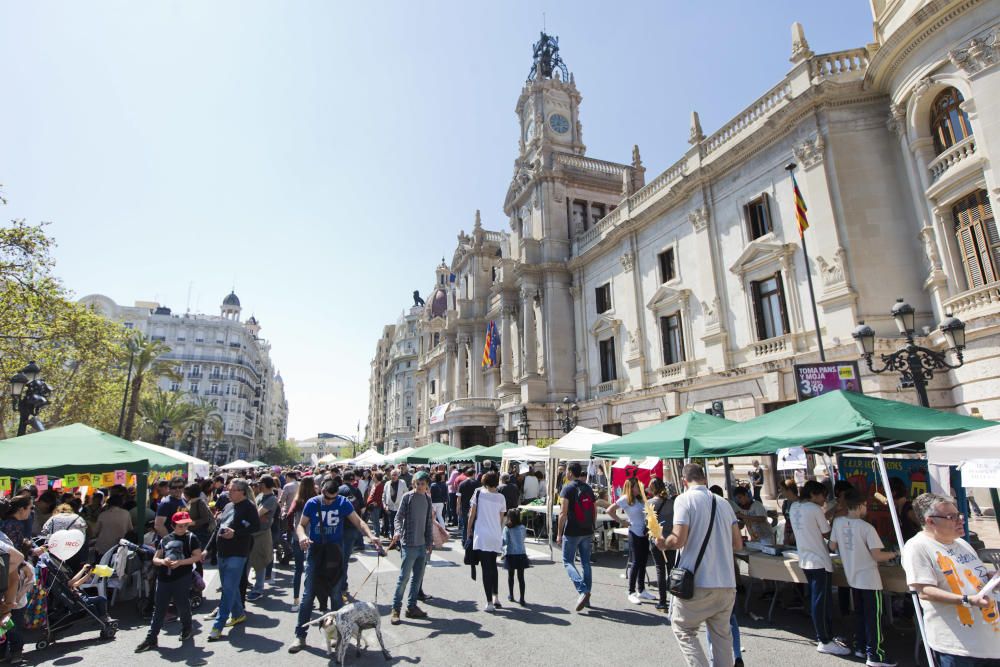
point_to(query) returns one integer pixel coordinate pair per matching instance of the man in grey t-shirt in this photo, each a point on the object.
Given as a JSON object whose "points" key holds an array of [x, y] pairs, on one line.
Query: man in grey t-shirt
{"points": [[715, 577], [262, 552], [414, 530]]}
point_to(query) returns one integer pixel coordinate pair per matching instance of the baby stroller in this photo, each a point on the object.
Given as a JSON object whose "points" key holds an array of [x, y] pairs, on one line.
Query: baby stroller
{"points": [[283, 548], [65, 606], [132, 574]]}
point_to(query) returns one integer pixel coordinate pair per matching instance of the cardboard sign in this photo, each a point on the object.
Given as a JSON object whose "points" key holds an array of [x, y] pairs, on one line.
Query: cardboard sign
{"points": [[42, 482], [119, 477], [70, 481], [130, 480], [83, 479], [4, 483], [107, 479], [25, 482]]}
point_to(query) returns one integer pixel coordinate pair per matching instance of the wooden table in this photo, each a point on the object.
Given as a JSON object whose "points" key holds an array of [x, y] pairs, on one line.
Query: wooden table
{"points": [[785, 569]]}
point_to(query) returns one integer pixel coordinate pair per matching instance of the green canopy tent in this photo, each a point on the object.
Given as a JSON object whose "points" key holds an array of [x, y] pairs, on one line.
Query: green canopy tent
{"points": [[667, 440], [258, 464], [430, 451], [841, 421], [461, 456], [494, 453], [75, 449]]}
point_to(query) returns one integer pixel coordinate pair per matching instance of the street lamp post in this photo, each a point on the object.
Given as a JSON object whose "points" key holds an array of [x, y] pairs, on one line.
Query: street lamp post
{"points": [[566, 414], [189, 441], [914, 363], [163, 432], [522, 427], [29, 392]]}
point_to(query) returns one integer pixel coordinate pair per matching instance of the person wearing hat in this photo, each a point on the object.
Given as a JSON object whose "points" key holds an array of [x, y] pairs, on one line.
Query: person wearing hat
{"points": [[179, 550]]}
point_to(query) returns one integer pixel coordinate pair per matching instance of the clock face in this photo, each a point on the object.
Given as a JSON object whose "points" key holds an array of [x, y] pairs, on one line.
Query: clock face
{"points": [[559, 123]]}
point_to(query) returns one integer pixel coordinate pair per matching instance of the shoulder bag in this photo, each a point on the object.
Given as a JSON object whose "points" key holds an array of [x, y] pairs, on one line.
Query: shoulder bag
{"points": [[680, 583]]}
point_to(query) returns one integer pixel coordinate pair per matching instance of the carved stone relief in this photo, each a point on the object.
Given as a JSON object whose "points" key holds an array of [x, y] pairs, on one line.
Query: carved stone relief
{"points": [[831, 272], [628, 261], [982, 52], [930, 247], [699, 218], [711, 311], [810, 152], [897, 119]]}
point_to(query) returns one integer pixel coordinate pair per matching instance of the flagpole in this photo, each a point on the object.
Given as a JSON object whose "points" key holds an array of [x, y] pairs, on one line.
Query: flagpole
{"points": [[805, 255]]}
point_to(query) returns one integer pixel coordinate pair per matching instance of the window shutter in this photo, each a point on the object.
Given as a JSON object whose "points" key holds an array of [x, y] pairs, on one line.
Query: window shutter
{"points": [[681, 356], [612, 360], [665, 339], [757, 312], [765, 207], [785, 324], [968, 248]]}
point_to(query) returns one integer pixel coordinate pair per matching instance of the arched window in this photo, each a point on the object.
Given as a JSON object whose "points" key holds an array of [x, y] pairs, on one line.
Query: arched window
{"points": [[949, 123], [978, 240]]}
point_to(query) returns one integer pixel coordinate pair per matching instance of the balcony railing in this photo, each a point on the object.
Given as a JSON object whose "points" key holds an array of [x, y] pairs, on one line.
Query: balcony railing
{"points": [[839, 64], [975, 301], [475, 404], [606, 388], [770, 346], [966, 148]]}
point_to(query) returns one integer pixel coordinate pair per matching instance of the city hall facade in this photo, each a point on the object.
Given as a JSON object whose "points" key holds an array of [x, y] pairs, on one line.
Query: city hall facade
{"points": [[641, 296]]}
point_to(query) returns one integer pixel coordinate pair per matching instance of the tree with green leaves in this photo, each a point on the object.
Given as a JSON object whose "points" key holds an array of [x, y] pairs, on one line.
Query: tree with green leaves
{"points": [[205, 419], [285, 453], [80, 352], [146, 364], [159, 406]]}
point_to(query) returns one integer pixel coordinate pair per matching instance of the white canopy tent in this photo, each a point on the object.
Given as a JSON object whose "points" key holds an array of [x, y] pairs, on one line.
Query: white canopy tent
{"points": [[369, 457], [238, 464], [398, 456], [578, 443], [196, 467], [979, 450]]}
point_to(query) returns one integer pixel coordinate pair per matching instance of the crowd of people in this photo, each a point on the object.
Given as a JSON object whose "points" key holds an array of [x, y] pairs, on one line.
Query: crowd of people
{"points": [[321, 516]]}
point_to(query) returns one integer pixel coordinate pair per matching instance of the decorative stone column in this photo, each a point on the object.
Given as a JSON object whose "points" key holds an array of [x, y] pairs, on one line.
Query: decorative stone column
{"points": [[462, 388], [448, 378], [530, 339], [506, 353]]}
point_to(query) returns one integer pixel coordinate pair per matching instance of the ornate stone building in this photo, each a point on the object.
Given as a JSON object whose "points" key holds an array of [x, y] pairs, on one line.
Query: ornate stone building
{"points": [[644, 300], [221, 358]]}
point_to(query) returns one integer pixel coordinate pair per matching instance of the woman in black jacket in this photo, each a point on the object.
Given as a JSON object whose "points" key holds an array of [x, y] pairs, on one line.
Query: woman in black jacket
{"points": [[664, 561]]}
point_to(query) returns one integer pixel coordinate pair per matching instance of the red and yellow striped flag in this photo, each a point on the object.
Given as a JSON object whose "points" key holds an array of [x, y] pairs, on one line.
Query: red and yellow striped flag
{"points": [[800, 208]]}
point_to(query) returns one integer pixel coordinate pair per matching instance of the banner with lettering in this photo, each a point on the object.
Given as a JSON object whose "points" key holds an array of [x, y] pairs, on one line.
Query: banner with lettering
{"points": [[83, 479], [863, 475], [119, 477], [70, 481]]}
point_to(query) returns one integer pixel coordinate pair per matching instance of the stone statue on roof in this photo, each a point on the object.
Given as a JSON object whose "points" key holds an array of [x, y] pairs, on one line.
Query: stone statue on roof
{"points": [[417, 301]]}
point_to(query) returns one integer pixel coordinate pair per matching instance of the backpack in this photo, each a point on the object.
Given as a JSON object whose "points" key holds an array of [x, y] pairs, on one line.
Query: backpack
{"points": [[582, 510]]}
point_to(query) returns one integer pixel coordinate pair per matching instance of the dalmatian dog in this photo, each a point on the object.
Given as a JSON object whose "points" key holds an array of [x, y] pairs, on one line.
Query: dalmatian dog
{"points": [[348, 622]]}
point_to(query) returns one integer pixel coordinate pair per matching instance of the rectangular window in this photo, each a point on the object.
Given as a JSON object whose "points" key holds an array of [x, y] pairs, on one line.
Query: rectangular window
{"points": [[129, 325], [609, 365], [181, 339], [769, 307], [758, 216], [613, 429], [978, 240], [214, 389], [175, 386], [597, 211], [667, 269], [672, 339], [578, 215], [433, 387], [194, 387], [602, 297]]}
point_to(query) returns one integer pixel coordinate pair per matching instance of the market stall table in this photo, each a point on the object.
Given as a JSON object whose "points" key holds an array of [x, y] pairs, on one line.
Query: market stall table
{"points": [[602, 518]]}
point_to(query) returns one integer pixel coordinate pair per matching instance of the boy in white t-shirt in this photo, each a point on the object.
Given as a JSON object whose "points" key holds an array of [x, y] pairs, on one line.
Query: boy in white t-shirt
{"points": [[861, 550]]}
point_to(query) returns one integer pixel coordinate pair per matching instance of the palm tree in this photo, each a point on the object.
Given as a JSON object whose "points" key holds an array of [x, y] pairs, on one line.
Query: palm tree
{"points": [[171, 407], [204, 417], [147, 363]]}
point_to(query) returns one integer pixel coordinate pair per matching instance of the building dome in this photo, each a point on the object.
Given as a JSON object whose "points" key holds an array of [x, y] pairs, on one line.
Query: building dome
{"points": [[439, 303], [231, 300], [252, 320]]}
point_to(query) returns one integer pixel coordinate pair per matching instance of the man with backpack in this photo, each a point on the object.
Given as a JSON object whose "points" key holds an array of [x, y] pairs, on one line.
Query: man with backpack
{"points": [[179, 551], [706, 532], [576, 530]]}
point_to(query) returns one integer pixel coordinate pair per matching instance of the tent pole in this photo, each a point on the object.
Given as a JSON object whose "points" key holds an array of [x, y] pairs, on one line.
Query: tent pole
{"points": [[550, 482], [884, 474], [143, 501], [995, 497]]}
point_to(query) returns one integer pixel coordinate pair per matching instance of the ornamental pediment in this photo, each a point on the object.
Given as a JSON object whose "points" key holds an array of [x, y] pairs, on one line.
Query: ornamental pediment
{"points": [[667, 296], [761, 252], [605, 322]]}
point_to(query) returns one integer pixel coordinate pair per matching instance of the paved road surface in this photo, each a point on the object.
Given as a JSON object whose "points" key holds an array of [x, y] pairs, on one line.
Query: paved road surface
{"points": [[546, 632]]}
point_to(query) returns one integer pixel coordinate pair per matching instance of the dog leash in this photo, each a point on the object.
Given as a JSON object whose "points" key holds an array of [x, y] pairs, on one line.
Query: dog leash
{"points": [[378, 561]]}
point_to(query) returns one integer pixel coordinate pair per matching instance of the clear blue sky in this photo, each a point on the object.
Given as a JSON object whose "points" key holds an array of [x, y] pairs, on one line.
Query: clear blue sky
{"points": [[323, 156]]}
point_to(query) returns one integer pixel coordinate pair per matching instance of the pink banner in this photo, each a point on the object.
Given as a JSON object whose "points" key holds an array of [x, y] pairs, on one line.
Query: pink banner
{"points": [[119, 477]]}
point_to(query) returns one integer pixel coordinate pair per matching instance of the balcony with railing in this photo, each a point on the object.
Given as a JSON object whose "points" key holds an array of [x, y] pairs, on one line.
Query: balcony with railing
{"points": [[963, 150], [779, 345], [839, 66], [974, 302], [607, 388]]}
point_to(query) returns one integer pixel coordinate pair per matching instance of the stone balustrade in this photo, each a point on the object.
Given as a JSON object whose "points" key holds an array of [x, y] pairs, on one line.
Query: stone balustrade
{"points": [[494, 237], [976, 301], [966, 148], [474, 404], [591, 164], [761, 107], [839, 64], [606, 388], [776, 345]]}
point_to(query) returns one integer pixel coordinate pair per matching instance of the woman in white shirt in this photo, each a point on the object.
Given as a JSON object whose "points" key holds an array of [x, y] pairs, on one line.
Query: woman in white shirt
{"points": [[486, 515]]}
